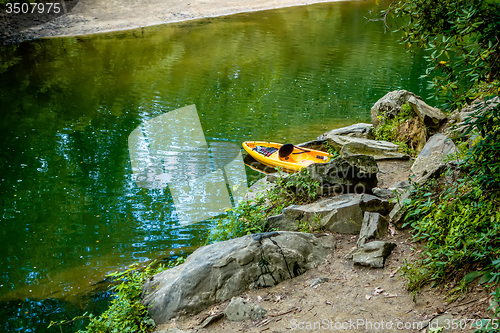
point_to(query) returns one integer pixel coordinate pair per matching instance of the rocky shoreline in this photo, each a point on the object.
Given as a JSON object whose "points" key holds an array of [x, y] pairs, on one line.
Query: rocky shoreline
{"points": [[286, 279]]}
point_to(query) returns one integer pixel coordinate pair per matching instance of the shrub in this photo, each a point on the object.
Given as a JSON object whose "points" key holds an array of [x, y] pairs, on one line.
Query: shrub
{"points": [[460, 225], [251, 217], [483, 159], [298, 188], [246, 218], [333, 153]]}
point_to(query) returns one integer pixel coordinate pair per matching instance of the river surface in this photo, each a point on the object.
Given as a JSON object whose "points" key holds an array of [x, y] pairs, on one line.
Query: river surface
{"points": [[71, 211]]}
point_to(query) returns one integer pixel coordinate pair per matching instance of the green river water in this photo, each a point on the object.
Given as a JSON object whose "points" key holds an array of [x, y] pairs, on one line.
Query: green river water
{"points": [[70, 210]]}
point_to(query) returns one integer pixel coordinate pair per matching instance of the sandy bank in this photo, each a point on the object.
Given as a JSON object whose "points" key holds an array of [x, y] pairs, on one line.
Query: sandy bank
{"points": [[96, 16]]}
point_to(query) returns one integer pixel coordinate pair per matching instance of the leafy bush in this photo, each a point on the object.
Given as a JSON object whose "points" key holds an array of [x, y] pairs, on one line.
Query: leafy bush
{"points": [[251, 217], [332, 152], [462, 39], [483, 159], [127, 313], [246, 218], [298, 188], [459, 222], [460, 225]]}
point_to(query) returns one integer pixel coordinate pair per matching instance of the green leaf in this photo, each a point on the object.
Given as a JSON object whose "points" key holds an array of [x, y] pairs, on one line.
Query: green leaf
{"points": [[472, 276], [486, 277]]}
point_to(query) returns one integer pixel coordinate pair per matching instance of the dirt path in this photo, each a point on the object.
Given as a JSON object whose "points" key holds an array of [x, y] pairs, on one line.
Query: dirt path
{"points": [[356, 297], [95, 16], [353, 296]]}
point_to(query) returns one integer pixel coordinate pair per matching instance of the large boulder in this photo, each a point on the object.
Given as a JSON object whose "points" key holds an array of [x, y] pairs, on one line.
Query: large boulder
{"points": [[217, 272], [389, 106], [433, 156], [379, 150], [343, 213], [432, 117], [414, 125], [353, 174], [360, 130]]}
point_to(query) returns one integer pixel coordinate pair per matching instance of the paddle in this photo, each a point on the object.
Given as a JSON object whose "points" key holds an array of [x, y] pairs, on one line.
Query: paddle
{"points": [[302, 152]]}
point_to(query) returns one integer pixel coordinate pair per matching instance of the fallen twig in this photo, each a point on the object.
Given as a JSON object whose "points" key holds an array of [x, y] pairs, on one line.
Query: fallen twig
{"points": [[283, 313]]}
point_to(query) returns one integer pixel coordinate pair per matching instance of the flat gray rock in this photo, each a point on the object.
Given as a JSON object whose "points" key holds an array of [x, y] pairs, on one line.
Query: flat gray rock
{"points": [[373, 254], [379, 150], [217, 272], [374, 226], [314, 144], [360, 130], [435, 151], [342, 213]]}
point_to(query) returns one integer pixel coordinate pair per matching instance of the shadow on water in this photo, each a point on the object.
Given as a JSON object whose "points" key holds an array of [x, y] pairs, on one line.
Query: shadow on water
{"points": [[35, 315], [71, 211], [25, 311]]}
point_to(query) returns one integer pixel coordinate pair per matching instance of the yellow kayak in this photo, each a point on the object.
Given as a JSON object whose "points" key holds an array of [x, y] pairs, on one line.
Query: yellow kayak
{"points": [[285, 156]]}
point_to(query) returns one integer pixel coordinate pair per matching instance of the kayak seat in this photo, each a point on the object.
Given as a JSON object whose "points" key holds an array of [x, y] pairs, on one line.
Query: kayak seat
{"points": [[266, 151], [286, 150]]}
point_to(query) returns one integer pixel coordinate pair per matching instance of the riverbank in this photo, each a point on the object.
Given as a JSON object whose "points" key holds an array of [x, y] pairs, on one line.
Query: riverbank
{"points": [[96, 16], [341, 292], [353, 265], [350, 295]]}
